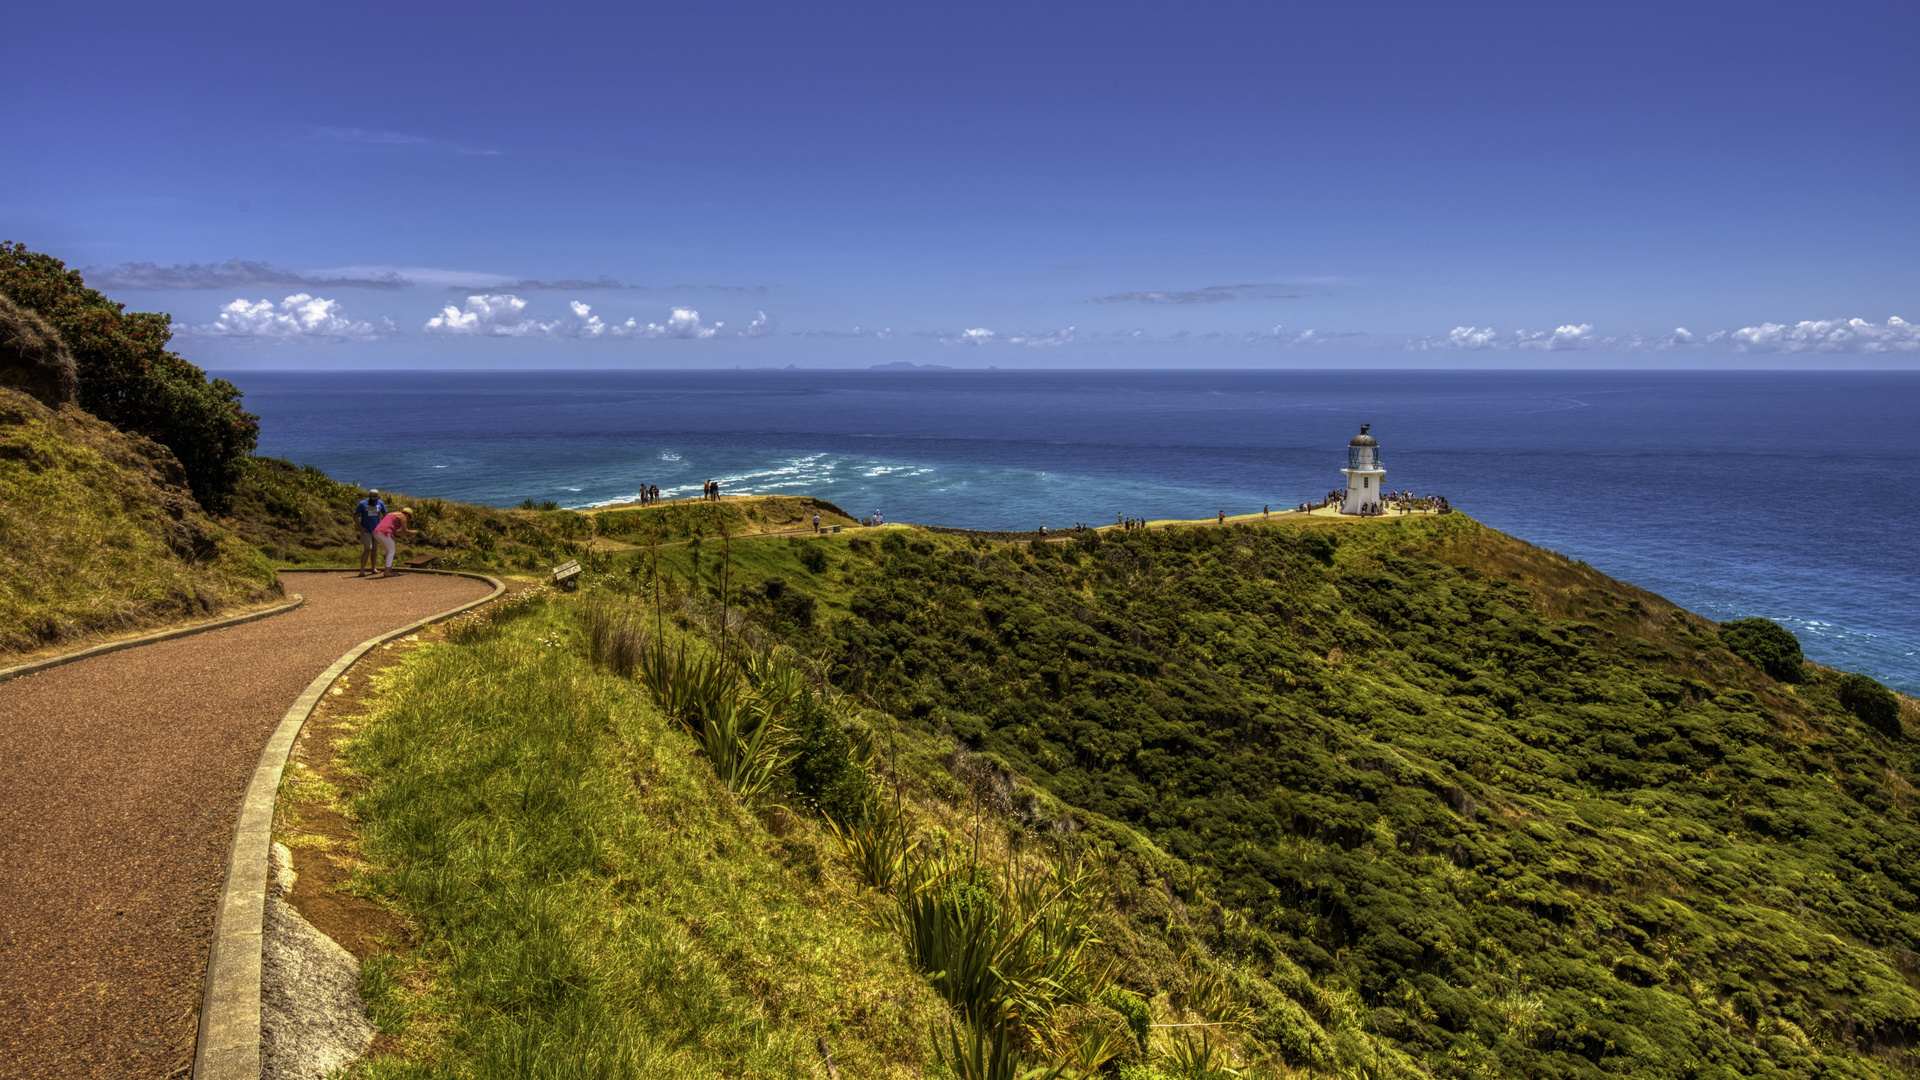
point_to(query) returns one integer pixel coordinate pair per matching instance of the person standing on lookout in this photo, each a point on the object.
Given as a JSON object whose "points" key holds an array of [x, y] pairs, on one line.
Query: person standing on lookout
{"points": [[368, 512]]}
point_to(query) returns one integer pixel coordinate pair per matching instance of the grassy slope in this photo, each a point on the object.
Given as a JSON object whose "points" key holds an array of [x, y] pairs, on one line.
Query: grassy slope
{"points": [[591, 902], [1539, 821], [95, 538]]}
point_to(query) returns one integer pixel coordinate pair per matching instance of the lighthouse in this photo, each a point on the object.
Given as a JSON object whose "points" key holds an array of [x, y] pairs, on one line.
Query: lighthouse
{"points": [[1364, 472]]}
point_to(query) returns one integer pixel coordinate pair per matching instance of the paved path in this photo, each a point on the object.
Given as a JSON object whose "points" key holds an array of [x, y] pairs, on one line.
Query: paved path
{"points": [[120, 781]]}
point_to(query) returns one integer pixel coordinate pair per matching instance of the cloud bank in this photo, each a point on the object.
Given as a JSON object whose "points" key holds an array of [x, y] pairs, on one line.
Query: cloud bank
{"points": [[1896, 335], [1830, 335], [504, 315], [982, 336], [232, 274], [299, 316]]}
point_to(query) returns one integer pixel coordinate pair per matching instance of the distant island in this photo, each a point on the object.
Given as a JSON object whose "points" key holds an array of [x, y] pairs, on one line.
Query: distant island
{"points": [[902, 365]]}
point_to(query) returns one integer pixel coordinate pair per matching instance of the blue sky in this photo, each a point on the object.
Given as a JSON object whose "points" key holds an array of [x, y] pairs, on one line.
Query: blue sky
{"points": [[1059, 184]]}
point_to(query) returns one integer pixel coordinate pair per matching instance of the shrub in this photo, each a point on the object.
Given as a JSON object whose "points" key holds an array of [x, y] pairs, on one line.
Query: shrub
{"points": [[129, 379], [1875, 705], [1766, 645], [813, 558], [824, 768]]}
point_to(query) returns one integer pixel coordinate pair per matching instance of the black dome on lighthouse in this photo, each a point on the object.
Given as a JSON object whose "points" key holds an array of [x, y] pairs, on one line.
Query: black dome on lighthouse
{"points": [[1364, 439]]}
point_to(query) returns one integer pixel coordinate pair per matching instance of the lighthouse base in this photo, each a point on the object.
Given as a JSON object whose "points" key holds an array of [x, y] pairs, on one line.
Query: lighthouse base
{"points": [[1364, 488]]}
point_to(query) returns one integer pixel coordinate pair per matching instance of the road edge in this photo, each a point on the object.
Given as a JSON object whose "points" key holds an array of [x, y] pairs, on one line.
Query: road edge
{"points": [[37, 666], [227, 1045]]}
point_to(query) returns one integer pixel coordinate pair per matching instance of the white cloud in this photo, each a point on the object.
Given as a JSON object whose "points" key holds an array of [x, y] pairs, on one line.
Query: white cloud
{"points": [[980, 335], [492, 315], [1830, 335], [298, 316], [683, 323], [504, 315], [1564, 337], [761, 326], [1823, 335]]}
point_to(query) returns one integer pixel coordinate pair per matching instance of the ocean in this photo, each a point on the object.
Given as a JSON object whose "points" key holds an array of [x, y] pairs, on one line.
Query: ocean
{"points": [[1791, 495]]}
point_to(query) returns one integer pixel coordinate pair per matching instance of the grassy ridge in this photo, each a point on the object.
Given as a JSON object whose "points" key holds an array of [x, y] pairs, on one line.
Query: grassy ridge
{"points": [[298, 514]]}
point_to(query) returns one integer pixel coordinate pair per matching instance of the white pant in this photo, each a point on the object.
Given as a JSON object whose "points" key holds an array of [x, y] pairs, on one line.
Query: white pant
{"points": [[386, 542]]}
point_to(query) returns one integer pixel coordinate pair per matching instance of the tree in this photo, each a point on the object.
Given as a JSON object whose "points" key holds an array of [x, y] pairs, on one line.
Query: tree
{"points": [[1766, 645], [129, 378], [1875, 705]]}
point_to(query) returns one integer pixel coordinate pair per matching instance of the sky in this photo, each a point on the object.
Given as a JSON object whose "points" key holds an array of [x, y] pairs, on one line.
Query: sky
{"points": [[1108, 184]]}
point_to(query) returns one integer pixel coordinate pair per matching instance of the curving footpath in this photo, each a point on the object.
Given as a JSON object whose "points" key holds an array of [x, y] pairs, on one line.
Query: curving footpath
{"points": [[121, 778]]}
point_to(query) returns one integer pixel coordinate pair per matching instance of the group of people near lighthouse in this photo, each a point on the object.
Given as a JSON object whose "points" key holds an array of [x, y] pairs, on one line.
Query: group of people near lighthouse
{"points": [[649, 495], [1404, 502]]}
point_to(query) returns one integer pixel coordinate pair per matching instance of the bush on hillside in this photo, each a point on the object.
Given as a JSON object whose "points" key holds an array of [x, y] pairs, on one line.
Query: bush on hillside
{"points": [[1874, 704], [1766, 645], [128, 378], [824, 768]]}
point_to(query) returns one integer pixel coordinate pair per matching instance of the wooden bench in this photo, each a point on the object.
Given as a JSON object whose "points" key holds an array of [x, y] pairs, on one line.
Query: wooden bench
{"points": [[567, 575]]}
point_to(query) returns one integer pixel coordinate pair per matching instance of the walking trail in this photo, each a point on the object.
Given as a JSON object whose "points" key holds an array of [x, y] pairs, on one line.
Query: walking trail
{"points": [[120, 783]]}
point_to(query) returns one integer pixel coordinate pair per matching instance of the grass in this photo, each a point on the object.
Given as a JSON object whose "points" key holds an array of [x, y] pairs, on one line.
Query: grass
{"points": [[93, 540], [590, 900]]}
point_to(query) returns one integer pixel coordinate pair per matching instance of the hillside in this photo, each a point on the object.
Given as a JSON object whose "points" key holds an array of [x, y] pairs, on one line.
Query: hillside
{"points": [[1541, 822], [1387, 798], [99, 534]]}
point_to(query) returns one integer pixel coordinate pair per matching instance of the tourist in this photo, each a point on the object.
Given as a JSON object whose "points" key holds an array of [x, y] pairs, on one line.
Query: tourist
{"points": [[368, 512], [816, 523], [396, 522], [1223, 517]]}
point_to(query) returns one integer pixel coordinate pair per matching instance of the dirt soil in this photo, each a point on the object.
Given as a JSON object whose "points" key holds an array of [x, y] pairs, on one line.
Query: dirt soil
{"points": [[120, 782]]}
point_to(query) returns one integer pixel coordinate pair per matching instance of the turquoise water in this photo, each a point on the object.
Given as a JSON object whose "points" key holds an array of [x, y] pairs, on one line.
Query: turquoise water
{"points": [[1785, 494]]}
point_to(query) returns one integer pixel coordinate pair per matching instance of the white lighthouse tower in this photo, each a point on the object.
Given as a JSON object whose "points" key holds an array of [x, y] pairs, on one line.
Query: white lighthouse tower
{"points": [[1364, 473]]}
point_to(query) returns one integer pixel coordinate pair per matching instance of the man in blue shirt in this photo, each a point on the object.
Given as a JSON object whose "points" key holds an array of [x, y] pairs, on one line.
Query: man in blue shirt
{"points": [[369, 511]]}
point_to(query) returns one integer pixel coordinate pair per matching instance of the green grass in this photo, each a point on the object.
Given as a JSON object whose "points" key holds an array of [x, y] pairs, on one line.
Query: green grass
{"points": [[87, 541], [589, 901]]}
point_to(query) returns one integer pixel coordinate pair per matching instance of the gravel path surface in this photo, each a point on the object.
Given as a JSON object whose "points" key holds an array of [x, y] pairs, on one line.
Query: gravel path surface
{"points": [[120, 782]]}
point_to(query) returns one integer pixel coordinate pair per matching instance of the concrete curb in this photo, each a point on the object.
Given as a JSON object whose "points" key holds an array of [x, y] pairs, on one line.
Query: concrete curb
{"points": [[228, 1045], [18, 670]]}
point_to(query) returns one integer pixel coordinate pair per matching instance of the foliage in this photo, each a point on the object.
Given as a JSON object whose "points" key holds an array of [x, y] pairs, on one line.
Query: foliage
{"points": [[1875, 705], [129, 379], [1766, 645], [737, 722], [826, 767], [1516, 817]]}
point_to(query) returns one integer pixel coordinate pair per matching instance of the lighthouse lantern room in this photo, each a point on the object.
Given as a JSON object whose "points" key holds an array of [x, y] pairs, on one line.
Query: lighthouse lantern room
{"points": [[1364, 473]]}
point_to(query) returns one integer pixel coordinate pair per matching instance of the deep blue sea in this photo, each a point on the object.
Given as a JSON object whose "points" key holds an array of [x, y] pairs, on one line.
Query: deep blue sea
{"points": [[1793, 495]]}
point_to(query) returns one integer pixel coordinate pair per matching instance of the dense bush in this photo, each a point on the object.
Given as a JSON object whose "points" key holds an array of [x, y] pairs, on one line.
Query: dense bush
{"points": [[129, 379], [1528, 844], [1874, 704], [824, 766], [1766, 645]]}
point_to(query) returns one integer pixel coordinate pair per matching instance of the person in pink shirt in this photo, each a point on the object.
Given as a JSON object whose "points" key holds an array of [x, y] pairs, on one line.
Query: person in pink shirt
{"points": [[395, 522]]}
